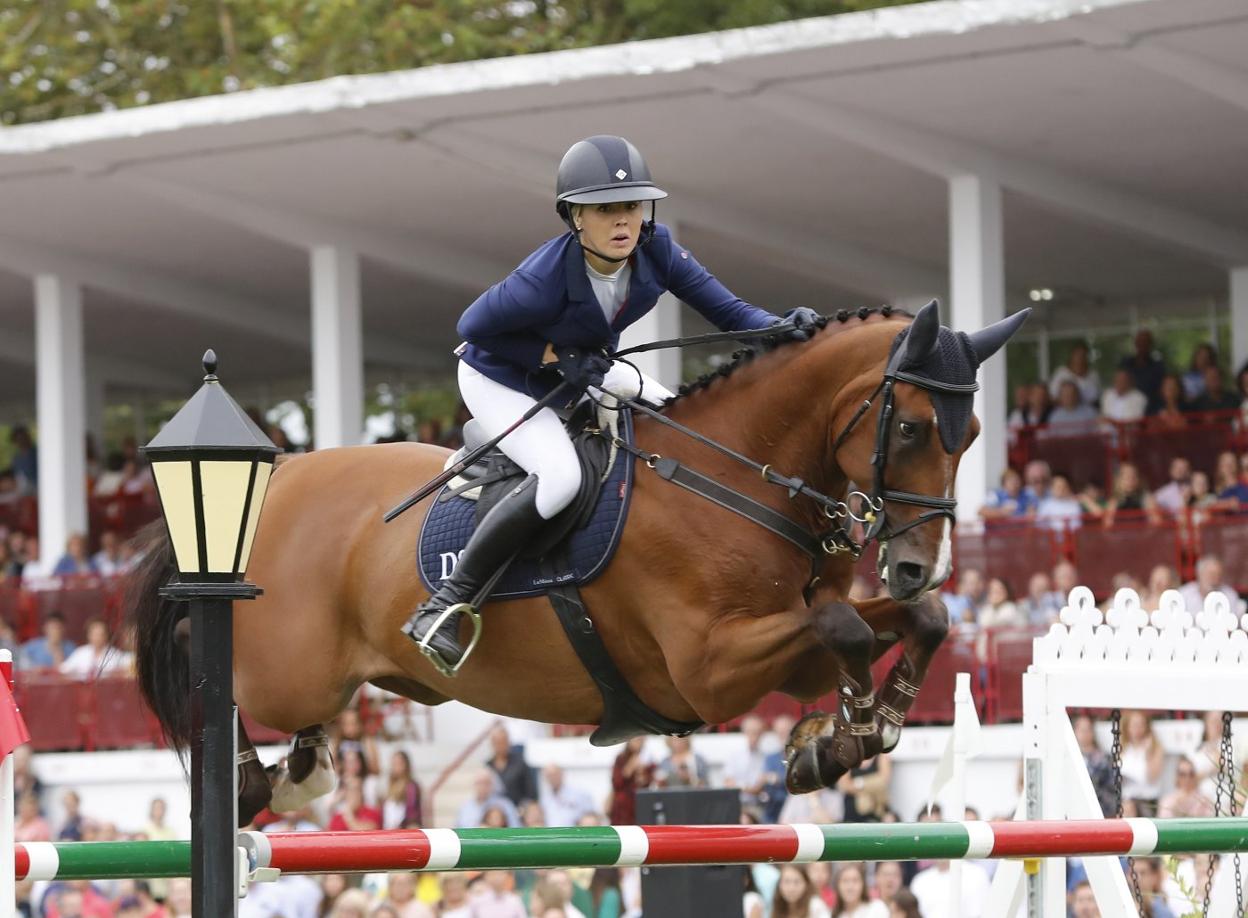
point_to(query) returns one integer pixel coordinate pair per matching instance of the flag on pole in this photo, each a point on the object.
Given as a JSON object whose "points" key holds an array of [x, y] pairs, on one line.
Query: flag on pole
{"points": [[13, 730]]}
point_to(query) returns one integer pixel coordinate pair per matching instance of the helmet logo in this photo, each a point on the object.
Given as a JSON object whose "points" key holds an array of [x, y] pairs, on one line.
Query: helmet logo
{"points": [[621, 174]]}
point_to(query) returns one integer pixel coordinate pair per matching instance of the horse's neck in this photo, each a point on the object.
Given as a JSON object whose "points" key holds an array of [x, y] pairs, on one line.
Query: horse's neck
{"points": [[779, 411]]}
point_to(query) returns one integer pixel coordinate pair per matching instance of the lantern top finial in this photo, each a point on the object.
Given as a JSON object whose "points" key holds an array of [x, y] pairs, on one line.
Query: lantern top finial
{"points": [[210, 362]]}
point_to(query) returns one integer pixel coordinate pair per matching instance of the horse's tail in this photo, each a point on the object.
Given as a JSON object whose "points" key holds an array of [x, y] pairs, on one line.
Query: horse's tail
{"points": [[161, 657]]}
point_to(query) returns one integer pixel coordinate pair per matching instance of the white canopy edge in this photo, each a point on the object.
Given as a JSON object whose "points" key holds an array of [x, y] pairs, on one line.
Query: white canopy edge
{"points": [[664, 55]]}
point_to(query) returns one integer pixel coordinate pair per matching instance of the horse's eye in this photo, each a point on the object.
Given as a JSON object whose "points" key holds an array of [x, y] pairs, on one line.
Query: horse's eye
{"points": [[908, 429]]}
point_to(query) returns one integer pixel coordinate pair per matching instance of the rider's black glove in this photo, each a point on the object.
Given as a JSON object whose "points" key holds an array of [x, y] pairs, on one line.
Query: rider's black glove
{"points": [[581, 368], [804, 321]]}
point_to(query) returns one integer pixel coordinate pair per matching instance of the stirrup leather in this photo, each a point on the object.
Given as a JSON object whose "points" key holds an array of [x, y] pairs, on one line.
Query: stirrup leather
{"points": [[438, 663]]}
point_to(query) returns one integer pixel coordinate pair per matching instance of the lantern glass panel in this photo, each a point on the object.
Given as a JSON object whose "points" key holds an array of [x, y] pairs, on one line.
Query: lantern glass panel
{"points": [[263, 471], [177, 497], [225, 494]]}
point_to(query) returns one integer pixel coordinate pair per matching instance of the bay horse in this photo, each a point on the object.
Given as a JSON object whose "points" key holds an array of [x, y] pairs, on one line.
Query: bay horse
{"points": [[702, 611]]}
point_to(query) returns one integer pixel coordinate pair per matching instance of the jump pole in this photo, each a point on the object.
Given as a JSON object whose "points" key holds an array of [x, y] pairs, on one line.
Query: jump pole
{"points": [[632, 846]]}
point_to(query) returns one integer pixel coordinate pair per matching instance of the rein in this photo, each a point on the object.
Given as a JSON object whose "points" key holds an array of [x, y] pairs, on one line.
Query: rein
{"points": [[836, 539]]}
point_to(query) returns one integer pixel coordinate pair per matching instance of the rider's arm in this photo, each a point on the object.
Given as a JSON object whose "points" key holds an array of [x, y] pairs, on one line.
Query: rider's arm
{"points": [[702, 290], [501, 320]]}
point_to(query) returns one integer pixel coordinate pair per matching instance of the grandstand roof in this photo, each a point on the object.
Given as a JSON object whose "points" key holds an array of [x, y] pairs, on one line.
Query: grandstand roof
{"points": [[807, 162]]}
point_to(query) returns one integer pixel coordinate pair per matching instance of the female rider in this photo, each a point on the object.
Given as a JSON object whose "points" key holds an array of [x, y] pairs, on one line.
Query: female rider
{"points": [[553, 320]]}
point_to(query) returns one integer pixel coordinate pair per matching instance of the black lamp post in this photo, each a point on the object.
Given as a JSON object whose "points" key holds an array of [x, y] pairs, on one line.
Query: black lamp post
{"points": [[212, 465]]}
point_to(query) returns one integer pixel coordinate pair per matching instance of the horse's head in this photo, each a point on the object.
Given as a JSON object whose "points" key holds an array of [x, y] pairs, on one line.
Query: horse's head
{"points": [[902, 451]]}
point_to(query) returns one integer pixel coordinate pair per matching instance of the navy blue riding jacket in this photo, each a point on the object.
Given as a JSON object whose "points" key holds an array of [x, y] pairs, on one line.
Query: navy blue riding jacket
{"points": [[548, 298]]}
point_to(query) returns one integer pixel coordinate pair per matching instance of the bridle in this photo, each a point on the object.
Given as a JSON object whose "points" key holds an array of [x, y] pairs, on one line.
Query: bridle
{"points": [[874, 516], [871, 511]]}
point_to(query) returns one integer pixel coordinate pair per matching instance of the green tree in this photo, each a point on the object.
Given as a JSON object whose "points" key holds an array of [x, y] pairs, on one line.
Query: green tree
{"points": [[74, 57]]}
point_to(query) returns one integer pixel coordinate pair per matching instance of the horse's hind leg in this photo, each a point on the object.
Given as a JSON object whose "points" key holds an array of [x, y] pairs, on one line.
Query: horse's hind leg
{"points": [[921, 626], [254, 790], [305, 773], [823, 747]]}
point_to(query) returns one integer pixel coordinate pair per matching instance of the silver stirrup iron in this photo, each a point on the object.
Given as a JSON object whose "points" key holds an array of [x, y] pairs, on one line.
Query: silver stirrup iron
{"points": [[438, 663]]}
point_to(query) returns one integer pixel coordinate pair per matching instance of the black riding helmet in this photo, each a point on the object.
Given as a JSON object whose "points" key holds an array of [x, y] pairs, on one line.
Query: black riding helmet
{"points": [[604, 169]]}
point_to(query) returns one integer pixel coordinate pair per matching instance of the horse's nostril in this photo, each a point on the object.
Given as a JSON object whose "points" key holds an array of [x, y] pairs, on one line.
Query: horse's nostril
{"points": [[910, 574]]}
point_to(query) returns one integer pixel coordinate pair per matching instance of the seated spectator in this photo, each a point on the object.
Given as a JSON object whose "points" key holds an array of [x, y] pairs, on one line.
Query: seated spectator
{"points": [[1065, 579], [1209, 579], [1185, 800], [1241, 389], [886, 881], [9, 491], [1161, 578], [50, 650], [1173, 496], [111, 479], [1228, 484], [402, 806], [1035, 412], [1018, 414], [97, 657], [795, 896], [31, 826], [563, 804], [1146, 368], [1172, 413], [495, 897], [748, 771], [1009, 501], [1100, 769], [1142, 761], [904, 905], [1216, 396], [998, 611], [1060, 509], [630, 773], [109, 560], [1077, 370], [933, 890], [1150, 875], [682, 767], [963, 604], [71, 825], [1071, 416], [1037, 477], [852, 900], [401, 896], [1201, 497], [76, 560], [353, 814], [8, 638], [1042, 605], [25, 460], [1203, 358], [487, 792], [1130, 494], [1123, 401], [34, 569], [507, 761], [16, 544], [1083, 901]]}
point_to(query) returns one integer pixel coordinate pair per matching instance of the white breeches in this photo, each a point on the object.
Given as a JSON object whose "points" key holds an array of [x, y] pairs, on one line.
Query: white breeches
{"points": [[541, 446]]}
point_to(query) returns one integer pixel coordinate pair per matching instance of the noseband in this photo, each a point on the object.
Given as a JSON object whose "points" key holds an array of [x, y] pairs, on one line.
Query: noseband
{"points": [[874, 513]]}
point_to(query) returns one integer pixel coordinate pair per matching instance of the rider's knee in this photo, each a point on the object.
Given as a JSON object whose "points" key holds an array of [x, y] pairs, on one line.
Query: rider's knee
{"points": [[557, 491]]}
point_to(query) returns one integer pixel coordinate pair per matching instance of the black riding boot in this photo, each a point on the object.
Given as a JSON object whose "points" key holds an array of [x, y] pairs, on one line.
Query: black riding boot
{"points": [[504, 531]]}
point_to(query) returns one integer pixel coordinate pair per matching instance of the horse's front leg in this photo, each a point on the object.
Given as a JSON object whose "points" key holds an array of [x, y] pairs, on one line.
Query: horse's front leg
{"points": [[921, 626], [823, 747]]}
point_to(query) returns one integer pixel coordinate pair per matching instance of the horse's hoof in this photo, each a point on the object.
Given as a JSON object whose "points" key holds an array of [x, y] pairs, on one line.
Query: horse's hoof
{"points": [[289, 796], [802, 774]]}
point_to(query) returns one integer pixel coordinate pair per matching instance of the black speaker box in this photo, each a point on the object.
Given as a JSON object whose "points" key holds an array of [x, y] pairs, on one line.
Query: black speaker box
{"points": [[691, 892]]}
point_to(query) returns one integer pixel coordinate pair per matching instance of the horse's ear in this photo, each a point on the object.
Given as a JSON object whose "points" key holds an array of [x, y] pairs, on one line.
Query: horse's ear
{"points": [[920, 337], [987, 341]]}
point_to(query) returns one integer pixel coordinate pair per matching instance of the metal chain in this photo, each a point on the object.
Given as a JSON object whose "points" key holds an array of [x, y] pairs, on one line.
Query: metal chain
{"points": [[1226, 768], [1115, 754]]}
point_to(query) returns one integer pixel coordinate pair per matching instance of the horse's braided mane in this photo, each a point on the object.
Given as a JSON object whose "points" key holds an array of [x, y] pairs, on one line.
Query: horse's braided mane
{"points": [[747, 354]]}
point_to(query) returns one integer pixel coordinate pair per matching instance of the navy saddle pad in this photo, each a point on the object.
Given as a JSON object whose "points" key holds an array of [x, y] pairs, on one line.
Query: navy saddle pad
{"points": [[581, 556]]}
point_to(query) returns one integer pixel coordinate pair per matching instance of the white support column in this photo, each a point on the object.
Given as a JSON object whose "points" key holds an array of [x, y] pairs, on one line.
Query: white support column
{"points": [[337, 352], [60, 413], [1239, 317], [660, 323], [977, 292]]}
